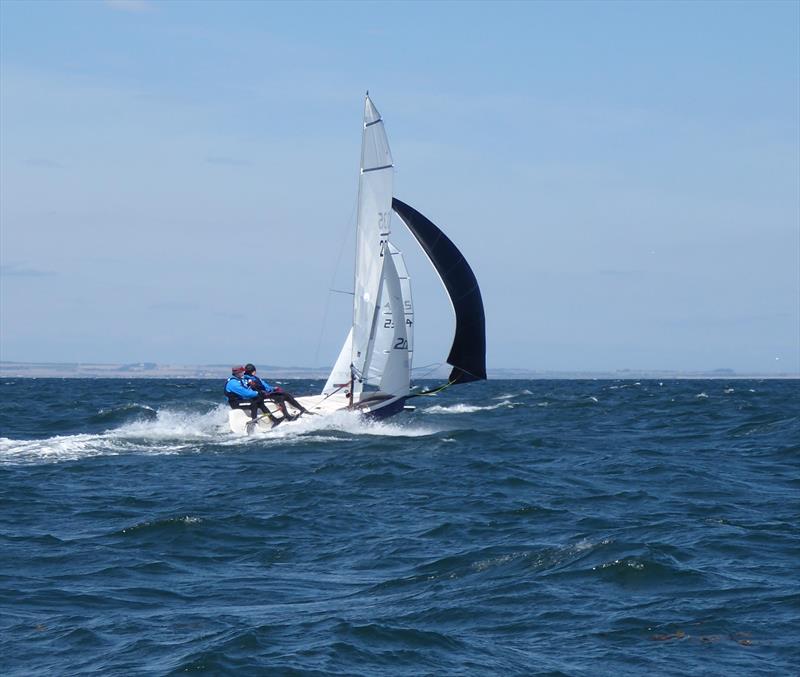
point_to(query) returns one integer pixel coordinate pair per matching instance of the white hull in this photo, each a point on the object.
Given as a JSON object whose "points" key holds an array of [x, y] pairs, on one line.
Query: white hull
{"points": [[373, 407], [318, 405], [239, 419]]}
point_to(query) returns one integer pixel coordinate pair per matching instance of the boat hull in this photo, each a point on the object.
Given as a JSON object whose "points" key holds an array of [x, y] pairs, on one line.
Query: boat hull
{"points": [[375, 407], [378, 409], [387, 409]]}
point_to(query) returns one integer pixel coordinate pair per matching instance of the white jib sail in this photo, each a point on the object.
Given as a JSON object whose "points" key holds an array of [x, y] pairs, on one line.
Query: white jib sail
{"points": [[388, 366], [373, 229], [339, 379], [385, 334], [408, 306]]}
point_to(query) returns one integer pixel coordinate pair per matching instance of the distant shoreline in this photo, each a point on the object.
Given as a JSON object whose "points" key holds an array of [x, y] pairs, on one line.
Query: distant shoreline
{"points": [[218, 371]]}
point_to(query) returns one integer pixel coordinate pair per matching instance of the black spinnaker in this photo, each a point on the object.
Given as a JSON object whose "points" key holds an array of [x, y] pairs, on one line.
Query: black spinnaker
{"points": [[468, 352]]}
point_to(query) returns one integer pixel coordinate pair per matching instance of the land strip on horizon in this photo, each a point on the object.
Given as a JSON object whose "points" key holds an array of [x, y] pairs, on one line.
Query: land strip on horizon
{"points": [[220, 371]]}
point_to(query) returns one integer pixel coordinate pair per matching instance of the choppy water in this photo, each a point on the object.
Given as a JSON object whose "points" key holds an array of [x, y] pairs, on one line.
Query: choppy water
{"points": [[507, 527]]}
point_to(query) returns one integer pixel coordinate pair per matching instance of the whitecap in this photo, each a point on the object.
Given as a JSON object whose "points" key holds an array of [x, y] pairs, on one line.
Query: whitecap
{"points": [[463, 408], [483, 565], [586, 544], [58, 448], [127, 407], [170, 425]]}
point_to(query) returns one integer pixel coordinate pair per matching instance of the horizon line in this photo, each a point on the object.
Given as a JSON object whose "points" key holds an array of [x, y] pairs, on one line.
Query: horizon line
{"points": [[80, 369]]}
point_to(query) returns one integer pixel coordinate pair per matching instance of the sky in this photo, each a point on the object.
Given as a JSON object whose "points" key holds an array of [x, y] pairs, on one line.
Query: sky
{"points": [[178, 180]]}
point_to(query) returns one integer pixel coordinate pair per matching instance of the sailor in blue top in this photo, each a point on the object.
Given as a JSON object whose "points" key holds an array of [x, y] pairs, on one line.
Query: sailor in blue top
{"points": [[273, 393], [241, 396]]}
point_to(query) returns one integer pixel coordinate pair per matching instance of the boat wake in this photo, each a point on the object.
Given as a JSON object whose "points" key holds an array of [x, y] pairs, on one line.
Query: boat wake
{"points": [[344, 421], [175, 432], [170, 424]]}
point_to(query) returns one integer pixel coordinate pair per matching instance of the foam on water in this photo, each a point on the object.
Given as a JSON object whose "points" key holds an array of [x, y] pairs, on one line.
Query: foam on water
{"points": [[130, 406], [464, 408], [73, 447], [58, 448], [170, 425], [173, 432], [346, 422]]}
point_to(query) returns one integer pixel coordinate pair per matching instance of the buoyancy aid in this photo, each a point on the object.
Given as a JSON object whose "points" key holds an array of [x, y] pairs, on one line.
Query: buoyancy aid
{"points": [[235, 399]]}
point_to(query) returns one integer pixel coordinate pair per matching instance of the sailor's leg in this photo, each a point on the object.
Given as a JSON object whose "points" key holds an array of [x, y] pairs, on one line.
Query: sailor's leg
{"points": [[291, 400], [278, 398], [262, 405], [254, 408]]}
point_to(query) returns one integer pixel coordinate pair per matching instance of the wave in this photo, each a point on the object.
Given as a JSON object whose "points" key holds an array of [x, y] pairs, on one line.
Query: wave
{"points": [[647, 571], [465, 408], [125, 412], [159, 525], [497, 562]]}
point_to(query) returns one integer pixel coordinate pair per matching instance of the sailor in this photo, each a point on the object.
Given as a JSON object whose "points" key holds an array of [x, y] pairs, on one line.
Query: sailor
{"points": [[240, 396], [273, 393]]}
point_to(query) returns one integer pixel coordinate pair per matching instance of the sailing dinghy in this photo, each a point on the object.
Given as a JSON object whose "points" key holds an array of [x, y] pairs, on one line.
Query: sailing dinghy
{"points": [[373, 371]]}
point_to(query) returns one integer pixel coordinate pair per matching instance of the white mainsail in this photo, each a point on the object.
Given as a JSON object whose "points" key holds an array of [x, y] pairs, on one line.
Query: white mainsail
{"points": [[373, 230], [377, 351]]}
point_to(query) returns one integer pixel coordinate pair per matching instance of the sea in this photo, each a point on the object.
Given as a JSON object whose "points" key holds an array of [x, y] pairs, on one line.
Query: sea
{"points": [[541, 527]]}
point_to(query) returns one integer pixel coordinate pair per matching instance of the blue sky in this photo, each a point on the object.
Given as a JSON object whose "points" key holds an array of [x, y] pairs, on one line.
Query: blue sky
{"points": [[178, 179]]}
